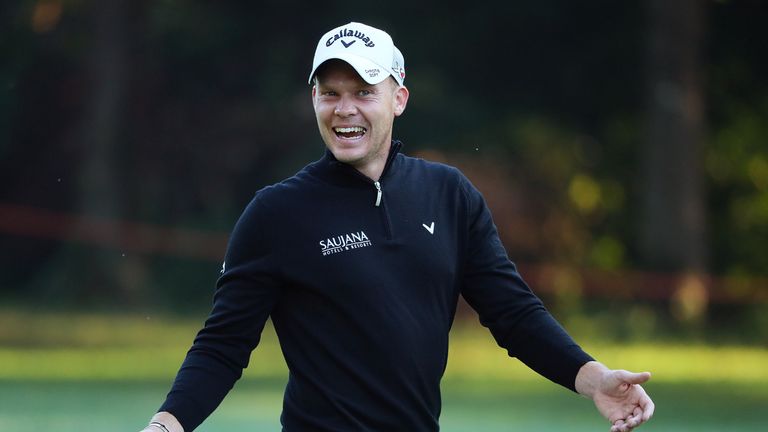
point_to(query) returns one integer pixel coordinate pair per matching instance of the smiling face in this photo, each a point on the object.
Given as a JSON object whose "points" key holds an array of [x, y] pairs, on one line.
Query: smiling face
{"points": [[355, 118]]}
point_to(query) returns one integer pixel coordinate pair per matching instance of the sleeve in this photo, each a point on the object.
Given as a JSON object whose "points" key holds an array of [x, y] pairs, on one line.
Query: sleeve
{"points": [[245, 295], [516, 317]]}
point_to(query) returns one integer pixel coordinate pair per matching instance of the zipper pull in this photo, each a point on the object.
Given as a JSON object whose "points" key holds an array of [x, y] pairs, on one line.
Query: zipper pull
{"points": [[378, 193]]}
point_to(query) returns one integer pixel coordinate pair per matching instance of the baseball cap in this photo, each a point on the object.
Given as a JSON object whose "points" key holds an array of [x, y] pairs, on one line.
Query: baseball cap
{"points": [[368, 50]]}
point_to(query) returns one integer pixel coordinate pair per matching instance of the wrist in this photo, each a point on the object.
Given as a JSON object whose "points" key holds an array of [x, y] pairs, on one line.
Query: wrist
{"points": [[589, 377], [164, 422], [159, 426]]}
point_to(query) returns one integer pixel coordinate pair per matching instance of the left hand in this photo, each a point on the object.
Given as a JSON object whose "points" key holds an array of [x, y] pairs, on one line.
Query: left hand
{"points": [[617, 395]]}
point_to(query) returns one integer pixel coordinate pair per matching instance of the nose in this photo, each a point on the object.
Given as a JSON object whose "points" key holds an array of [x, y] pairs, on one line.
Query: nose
{"points": [[345, 108]]}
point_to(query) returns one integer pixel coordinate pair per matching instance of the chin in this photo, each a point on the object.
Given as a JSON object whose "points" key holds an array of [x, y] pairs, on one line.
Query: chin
{"points": [[347, 154]]}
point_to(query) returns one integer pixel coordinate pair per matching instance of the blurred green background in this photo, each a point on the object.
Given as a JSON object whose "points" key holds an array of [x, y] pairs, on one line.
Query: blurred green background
{"points": [[622, 147]]}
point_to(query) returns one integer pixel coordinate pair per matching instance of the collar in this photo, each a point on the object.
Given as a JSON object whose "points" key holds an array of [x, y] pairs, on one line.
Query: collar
{"points": [[330, 169]]}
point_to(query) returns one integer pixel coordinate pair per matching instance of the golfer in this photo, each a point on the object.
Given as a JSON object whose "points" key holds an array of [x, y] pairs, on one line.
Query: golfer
{"points": [[359, 260]]}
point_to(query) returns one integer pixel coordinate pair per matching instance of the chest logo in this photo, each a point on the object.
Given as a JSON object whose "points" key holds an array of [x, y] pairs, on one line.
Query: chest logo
{"points": [[430, 228], [343, 243]]}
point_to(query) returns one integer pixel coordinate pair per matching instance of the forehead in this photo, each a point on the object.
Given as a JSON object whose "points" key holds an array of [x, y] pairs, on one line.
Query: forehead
{"points": [[338, 70]]}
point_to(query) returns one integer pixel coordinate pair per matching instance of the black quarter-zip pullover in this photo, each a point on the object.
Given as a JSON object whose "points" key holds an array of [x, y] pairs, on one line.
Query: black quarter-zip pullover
{"points": [[361, 280]]}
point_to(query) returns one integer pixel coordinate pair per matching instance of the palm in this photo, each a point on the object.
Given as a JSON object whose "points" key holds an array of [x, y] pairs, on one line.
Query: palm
{"points": [[622, 400]]}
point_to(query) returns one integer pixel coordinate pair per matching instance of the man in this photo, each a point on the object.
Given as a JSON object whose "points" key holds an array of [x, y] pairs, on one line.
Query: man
{"points": [[359, 259]]}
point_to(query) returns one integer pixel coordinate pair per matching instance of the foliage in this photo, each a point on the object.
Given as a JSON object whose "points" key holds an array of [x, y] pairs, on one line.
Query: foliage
{"points": [[175, 113]]}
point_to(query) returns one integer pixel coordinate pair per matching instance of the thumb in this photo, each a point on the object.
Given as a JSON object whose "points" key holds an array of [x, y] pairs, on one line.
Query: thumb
{"points": [[633, 378]]}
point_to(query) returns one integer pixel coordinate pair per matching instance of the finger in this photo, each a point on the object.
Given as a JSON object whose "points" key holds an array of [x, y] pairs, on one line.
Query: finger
{"points": [[648, 408], [633, 378], [619, 426], [635, 418], [615, 426], [638, 417], [645, 402]]}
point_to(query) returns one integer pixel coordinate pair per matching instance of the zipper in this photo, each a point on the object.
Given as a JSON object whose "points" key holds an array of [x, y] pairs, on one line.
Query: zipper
{"points": [[384, 214], [396, 145], [378, 193], [378, 203]]}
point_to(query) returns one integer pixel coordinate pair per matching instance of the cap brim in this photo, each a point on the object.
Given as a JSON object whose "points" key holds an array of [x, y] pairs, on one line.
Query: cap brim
{"points": [[369, 71]]}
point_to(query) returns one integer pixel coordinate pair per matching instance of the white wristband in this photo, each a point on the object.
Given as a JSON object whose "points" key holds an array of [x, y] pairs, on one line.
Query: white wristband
{"points": [[159, 425]]}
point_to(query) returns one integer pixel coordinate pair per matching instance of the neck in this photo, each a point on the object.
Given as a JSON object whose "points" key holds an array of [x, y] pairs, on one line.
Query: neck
{"points": [[374, 167]]}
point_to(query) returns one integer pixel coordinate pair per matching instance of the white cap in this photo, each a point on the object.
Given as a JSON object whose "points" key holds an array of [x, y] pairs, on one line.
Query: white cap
{"points": [[369, 50]]}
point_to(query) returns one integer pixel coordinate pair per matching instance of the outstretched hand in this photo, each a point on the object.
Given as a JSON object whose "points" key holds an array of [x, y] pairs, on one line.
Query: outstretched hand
{"points": [[617, 394]]}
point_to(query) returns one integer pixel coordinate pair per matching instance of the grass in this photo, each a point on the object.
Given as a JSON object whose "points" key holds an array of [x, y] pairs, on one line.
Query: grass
{"points": [[64, 373], [254, 405]]}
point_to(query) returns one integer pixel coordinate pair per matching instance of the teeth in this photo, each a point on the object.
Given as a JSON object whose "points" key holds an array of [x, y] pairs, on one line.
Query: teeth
{"points": [[349, 129]]}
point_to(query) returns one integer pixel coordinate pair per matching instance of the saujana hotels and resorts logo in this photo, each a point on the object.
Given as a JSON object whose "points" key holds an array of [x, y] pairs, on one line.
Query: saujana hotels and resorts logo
{"points": [[345, 242]]}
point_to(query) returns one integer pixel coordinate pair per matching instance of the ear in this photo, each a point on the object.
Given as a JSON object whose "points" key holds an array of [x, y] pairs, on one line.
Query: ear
{"points": [[314, 96], [401, 100]]}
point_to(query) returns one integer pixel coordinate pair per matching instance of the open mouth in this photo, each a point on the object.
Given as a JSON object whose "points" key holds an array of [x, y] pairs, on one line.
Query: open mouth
{"points": [[350, 132]]}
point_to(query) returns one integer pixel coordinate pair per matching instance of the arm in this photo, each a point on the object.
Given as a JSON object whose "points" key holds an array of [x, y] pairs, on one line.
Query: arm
{"points": [[520, 323], [515, 316], [245, 295], [617, 395]]}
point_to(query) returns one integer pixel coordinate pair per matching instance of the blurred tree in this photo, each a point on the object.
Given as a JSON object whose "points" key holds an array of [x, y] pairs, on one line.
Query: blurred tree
{"points": [[737, 152], [101, 143], [173, 113], [673, 222]]}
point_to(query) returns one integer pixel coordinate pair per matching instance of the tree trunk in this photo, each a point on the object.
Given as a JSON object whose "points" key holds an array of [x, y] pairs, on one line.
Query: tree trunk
{"points": [[673, 231], [99, 138], [673, 225]]}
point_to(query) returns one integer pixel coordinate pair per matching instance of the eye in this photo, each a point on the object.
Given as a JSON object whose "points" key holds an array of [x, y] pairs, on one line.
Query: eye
{"points": [[364, 92], [328, 93]]}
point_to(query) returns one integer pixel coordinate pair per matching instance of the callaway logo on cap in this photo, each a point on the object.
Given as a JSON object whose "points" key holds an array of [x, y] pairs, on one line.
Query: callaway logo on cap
{"points": [[369, 50]]}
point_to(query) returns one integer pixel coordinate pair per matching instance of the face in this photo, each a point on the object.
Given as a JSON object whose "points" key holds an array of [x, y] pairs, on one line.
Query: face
{"points": [[355, 118]]}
